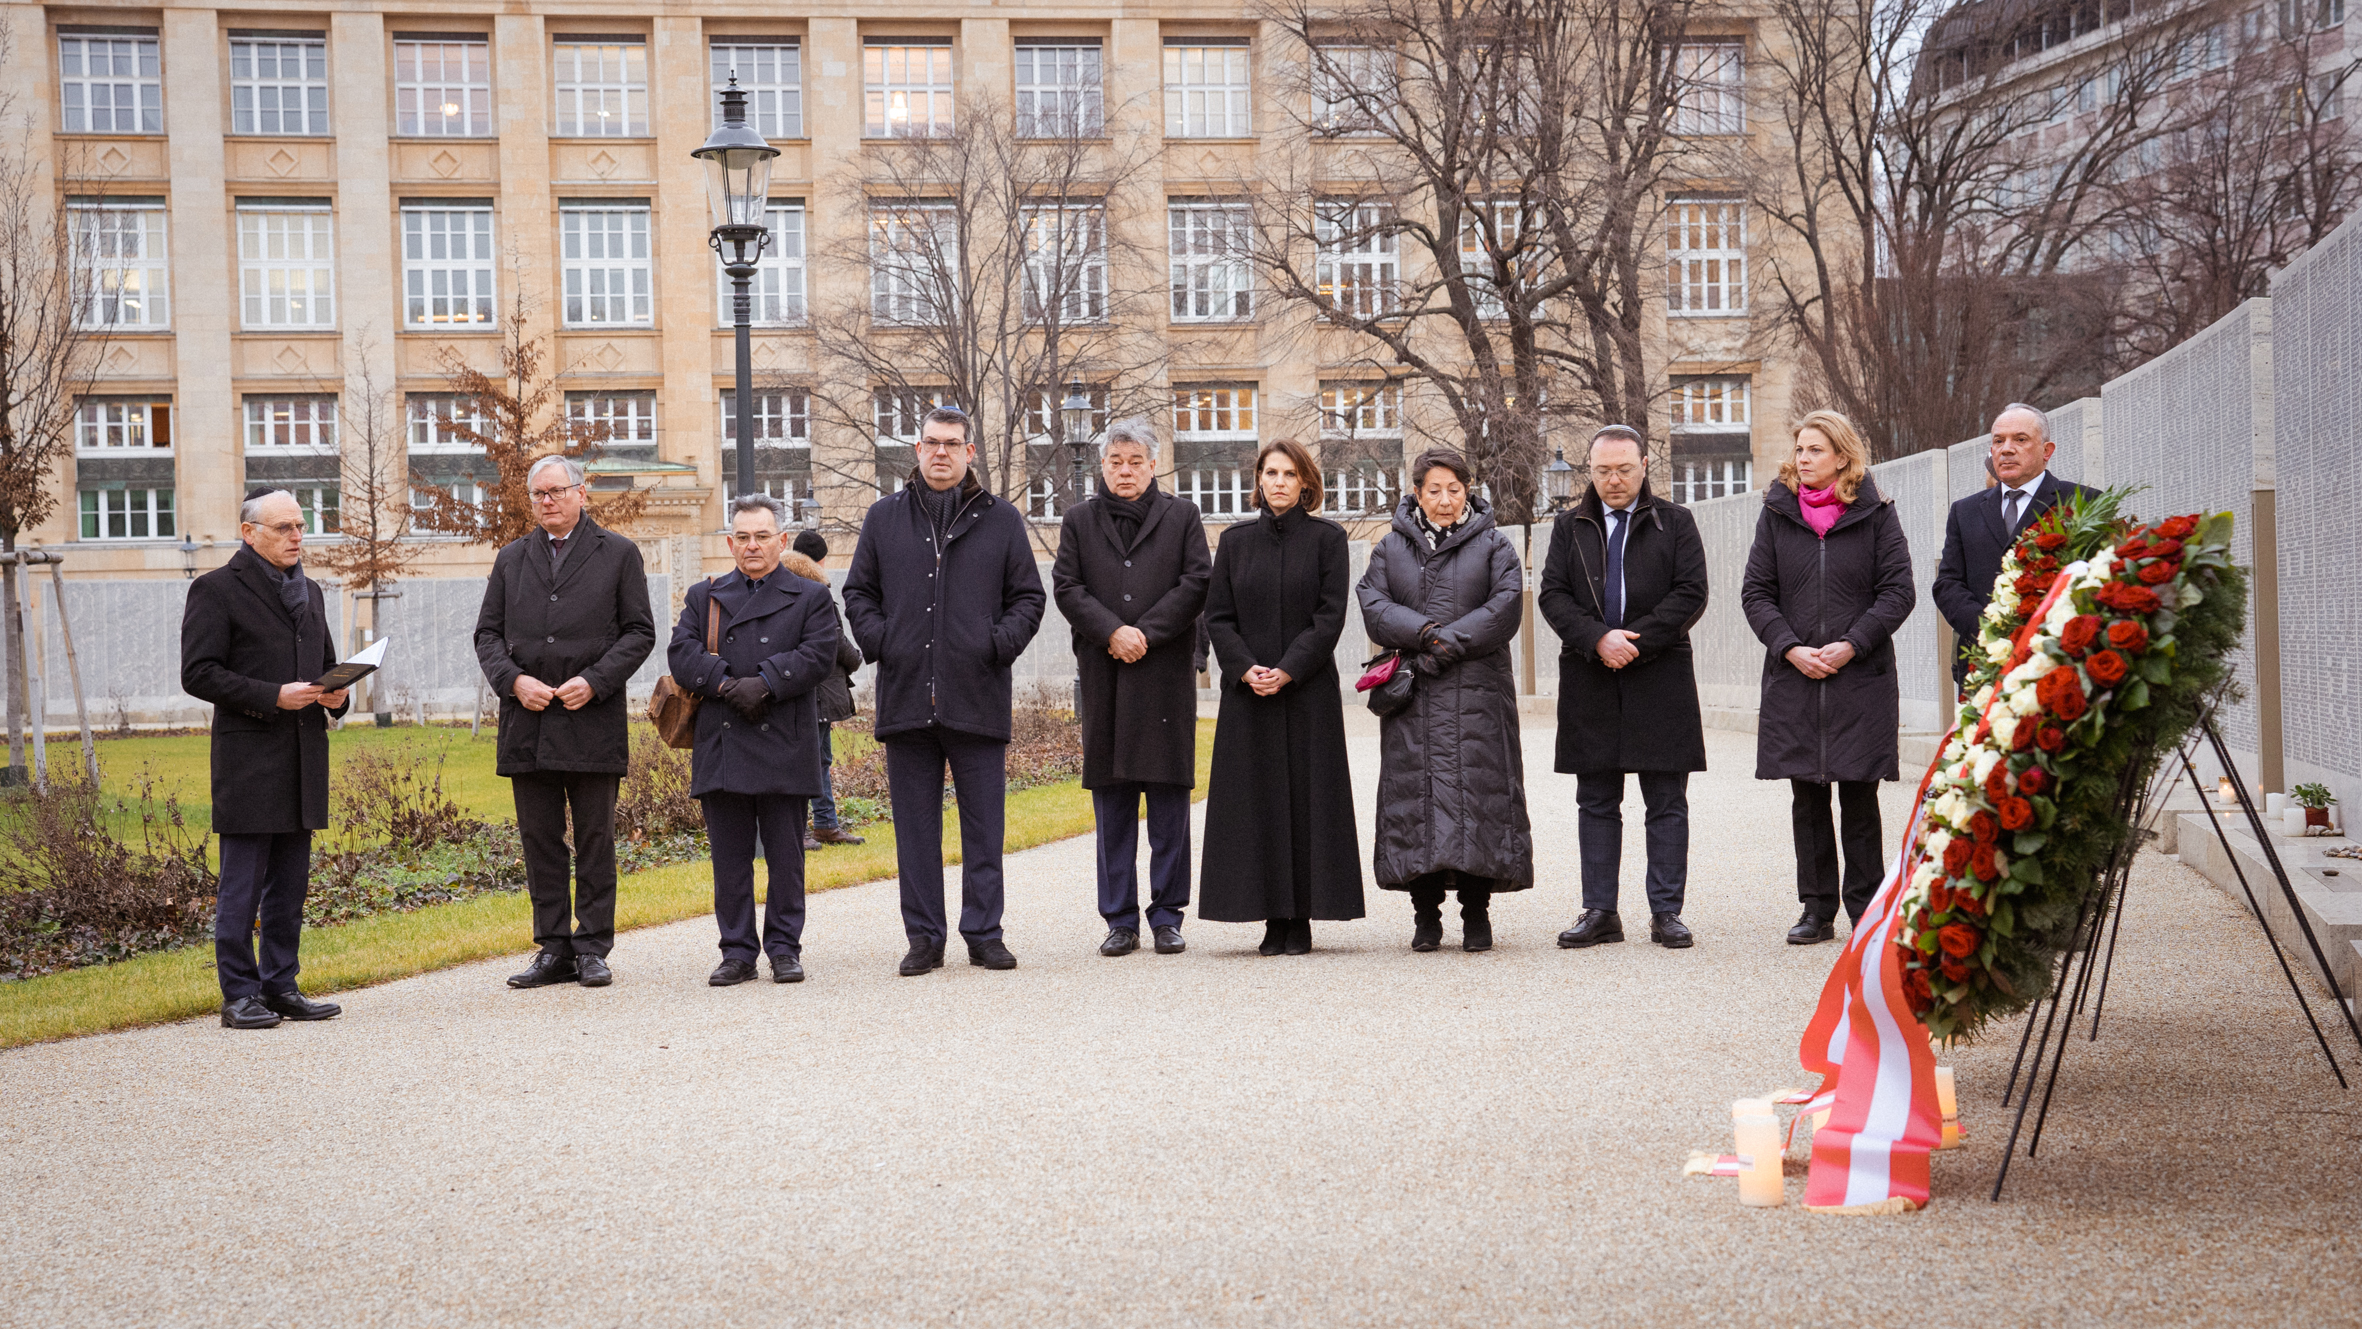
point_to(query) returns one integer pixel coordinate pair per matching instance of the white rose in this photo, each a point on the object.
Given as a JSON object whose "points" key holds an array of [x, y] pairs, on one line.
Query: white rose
{"points": [[1937, 842], [1986, 759], [1997, 649], [1996, 610], [2026, 674], [1983, 698], [2005, 727], [2023, 701]]}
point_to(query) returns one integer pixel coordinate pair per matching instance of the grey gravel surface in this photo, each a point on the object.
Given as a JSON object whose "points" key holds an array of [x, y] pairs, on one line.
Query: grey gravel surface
{"points": [[1359, 1136]]}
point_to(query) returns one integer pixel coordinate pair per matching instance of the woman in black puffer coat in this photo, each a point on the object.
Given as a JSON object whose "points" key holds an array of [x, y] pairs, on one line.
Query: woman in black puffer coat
{"points": [[1828, 585], [1445, 589]]}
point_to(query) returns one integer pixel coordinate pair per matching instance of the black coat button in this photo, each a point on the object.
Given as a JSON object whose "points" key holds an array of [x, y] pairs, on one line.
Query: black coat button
{"points": [[764, 640], [1127, 563], [549, 639], [1127, 598], [553, 599]]}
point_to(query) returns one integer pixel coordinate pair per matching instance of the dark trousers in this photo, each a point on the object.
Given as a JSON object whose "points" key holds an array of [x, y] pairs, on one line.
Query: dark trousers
{"points": [[1599, 832], [1117, 810], [1427, 892], [573, 894], [1817, 843], [915, 763], [263, 878], [824, 808], [731, 822]]}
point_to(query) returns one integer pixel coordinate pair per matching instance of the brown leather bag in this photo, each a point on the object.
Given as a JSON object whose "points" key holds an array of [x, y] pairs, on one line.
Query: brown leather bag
{"points": [[673, 708]]}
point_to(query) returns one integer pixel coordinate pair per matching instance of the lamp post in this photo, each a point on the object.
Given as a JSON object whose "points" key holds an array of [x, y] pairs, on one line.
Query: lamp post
{"points": [[1558, 481], [738, 193], [188, 556], [1074, 421]]}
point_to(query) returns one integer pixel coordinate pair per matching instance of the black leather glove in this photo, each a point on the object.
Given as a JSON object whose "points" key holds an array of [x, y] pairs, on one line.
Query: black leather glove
{"points": [[750, 697], [1424, 664], [1428, 636], [1448, 647]]}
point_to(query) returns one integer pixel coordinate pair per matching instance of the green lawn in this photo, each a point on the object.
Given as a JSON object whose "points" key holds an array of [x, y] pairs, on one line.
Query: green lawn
{"points": [[174, 985]]}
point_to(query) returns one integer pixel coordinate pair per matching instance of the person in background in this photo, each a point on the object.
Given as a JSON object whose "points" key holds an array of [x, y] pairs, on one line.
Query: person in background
{"points": [[1445, 589], [807, 559], [757, 755], [1624, 583], [568, 602], [1828, 584], [253, 632], [1285, 850], [1981, 527], [1131, 579]]}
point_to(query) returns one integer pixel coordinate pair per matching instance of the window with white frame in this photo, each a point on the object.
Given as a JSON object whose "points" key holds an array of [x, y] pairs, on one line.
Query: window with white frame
{"points": [[770, 71], [443, 86], [1216, 491], [783, 418], [1208, 245], [913, 261], [778, 286], [462, 492], [1711, 406], [1361, 410], [1359, 487], [1696, 479], [286, 264], [1712, 438], [602, 85], [1207, 85], [603, 261], [1045, 492], [447, 264], [127, 514], [795, 491], [108, 425], [319, 506], [2298, 15], [1706, 245], [1060, 90], [279, 84], [628, 418], [1711, 79], [434, 419], [1066, 263], [906, 87], [109, 84], [1353, 89], [122, 274], [1041, 405], [901, 413], [1213, 412], [1359, 264], [306, 423]]}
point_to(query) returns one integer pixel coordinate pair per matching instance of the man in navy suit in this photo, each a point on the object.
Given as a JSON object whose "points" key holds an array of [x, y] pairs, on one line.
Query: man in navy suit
{"points": [[757, 758], [1984, 525]]}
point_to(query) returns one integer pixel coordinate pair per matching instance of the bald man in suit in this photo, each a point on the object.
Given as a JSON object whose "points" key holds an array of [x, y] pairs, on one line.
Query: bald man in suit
{"points": [[1981, 528]]}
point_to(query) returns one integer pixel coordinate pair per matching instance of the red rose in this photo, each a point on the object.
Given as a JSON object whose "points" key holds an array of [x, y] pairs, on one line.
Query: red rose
{"points": [[1916, 987], [2016, 813], [2177, 527], [2081, 631], [1956, 970], [2028, 606], [2033, 779], [1982, 828], [2050, 539], [1967, 903], [1980, 862], [2126, 598], [2136, 547], [2166, 549], [2022, 737], [2107, 668], [1939, 897], [2160, 572], [2128, 636], [2050, 738], [1959, 939], [1956, 858], [2061, 693], [1997, 783]]}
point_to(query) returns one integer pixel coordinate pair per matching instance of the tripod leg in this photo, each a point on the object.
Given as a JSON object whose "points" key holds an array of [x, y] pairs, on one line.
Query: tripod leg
{"points": [[2024, 1039], [2058, 998], [2115, 934], [2082, 981]]}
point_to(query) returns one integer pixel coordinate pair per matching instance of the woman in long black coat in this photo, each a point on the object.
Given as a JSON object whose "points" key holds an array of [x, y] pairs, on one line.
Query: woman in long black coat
{"points": [[1444, 588], [1828, 584], [1282, 848]]}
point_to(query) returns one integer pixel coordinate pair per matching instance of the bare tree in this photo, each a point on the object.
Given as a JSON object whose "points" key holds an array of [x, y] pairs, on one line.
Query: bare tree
{"points": [[378, 547], [997, 254]]}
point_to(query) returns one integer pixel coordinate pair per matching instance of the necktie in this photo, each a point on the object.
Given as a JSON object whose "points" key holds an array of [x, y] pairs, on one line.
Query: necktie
{"points": [[2009, 509], [1617, 522]]}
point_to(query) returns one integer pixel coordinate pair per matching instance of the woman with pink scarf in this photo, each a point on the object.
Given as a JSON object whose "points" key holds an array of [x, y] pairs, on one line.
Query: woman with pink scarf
{"points": [[1828, 584]]}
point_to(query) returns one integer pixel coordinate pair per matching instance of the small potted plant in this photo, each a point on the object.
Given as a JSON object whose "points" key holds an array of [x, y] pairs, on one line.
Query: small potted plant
{"points": [[2315, 800]]}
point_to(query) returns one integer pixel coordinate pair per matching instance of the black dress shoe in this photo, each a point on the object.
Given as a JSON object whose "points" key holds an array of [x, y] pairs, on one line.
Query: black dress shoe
{"points": [[731, 973], [248, 1013], [1120, 941], [592, 972], [1591, 928], [297, 1006], [1168, 940], [787, 969], [1275, 937], [545, 970], [995, 955], [1476, 931], [1812, 928], [1299, 936], [924, 955], [1668, 931]]}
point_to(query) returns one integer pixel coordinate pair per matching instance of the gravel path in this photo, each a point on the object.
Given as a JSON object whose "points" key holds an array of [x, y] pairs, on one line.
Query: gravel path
{"points": [[1361, 1136]]}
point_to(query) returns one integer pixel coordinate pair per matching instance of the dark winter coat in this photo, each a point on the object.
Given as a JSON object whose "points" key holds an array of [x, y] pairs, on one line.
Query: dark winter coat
{"points": [[238, 645], [944, 622], [592, 621], [1976, 539], [783, 632], [1643, 717], [1139, 719], [1805, 590], [1280, 801], [834, 696], [1451, 778]]}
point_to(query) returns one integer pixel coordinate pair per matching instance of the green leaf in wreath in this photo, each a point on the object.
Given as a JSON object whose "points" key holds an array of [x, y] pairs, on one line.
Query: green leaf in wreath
{"points": [[2156, 669], [2135, 696], [2026, 870], [2028, 842], [2161, 624], [2005, 919], [2045, 812], [2215, 530]]}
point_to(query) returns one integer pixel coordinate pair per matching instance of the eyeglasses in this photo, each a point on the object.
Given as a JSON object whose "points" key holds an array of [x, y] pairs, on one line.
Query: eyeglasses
{"points": [[941, 444], [550, 495], [283, 528], [750, 537]]}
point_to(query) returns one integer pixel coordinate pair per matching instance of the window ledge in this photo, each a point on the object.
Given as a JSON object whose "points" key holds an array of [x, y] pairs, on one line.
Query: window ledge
{"points": [[107, 136], [279, 138], [1213, 138], [1706, 313], [118, 454]]}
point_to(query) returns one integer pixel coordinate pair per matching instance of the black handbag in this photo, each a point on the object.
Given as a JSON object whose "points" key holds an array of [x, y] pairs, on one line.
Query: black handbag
{"points": [[1392, 693]]}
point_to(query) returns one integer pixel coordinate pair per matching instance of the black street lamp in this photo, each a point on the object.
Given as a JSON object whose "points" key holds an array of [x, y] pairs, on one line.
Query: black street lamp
{"points": [[188, 556], [1558, 481], [1074, 421], [738, 194]]}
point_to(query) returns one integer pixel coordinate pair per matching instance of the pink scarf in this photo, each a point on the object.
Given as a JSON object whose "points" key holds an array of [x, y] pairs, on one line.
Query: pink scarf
{"points": [[1822, 508]]}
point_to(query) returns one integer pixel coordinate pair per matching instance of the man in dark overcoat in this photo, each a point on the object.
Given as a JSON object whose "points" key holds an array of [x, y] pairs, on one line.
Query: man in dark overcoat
{"points": [[943, 594], [1131, 579], [1624, 583], [253, 634], [1980, 528], [568, 602], [757, 758]]}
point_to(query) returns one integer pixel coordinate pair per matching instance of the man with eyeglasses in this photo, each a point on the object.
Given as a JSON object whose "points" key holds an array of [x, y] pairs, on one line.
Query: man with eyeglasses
{"points": [[253, 634], [943, 594], [1980, 529], [565, 622]]}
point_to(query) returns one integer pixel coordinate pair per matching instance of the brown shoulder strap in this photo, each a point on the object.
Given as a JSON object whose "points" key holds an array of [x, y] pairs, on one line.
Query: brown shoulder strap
{"points": [[713, 621]]}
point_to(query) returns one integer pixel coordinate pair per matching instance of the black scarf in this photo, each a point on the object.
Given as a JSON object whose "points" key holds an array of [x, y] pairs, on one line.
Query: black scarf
{"points": [[940, 505], [1128, 513], [294, 592], [1435, 535]]}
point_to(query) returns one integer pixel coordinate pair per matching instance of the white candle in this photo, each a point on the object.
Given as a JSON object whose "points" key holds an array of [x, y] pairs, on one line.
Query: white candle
{"points": [[1758, 1136], [1948, 1101], [2224, 793]]}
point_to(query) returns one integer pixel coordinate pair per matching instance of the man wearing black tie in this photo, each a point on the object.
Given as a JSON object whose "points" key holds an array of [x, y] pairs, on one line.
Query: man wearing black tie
{"points": [[1983, 526]]}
